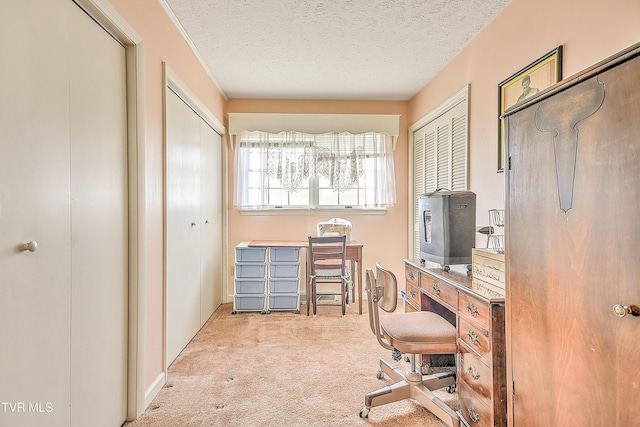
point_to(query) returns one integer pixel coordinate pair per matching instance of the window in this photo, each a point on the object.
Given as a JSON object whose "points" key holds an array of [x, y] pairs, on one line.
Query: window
{"points": [[295, 170], [440, 155]]}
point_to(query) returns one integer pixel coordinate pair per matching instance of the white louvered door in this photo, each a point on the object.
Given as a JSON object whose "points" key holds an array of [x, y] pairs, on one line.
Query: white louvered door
{"points": [[440, 158]]}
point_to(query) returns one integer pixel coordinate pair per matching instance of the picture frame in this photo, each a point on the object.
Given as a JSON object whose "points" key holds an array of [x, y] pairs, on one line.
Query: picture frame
{"points": [[535, 77]]}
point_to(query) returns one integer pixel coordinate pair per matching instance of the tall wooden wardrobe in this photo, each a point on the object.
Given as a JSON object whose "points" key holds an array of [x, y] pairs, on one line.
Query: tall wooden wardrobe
{"points": [[573, 250]]}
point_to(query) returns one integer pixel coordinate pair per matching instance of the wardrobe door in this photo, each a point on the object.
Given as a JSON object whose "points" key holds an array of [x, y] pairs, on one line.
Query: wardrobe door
{"points": [[183, 225], [99, 231], [211, 256], [572, 253], [34, 207]]}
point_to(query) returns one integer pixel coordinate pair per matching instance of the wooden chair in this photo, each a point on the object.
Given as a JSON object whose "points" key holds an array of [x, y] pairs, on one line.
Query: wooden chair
{"points": [[413, 333], [327, 267]]}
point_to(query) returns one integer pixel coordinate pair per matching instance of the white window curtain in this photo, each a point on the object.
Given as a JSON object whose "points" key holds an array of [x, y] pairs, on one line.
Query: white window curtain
{"points": [[346, 160]]}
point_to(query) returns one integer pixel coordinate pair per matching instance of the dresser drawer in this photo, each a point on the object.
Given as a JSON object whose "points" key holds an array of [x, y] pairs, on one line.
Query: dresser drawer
{"points": [[413, 295], [475, 373], [475, 309], [473, 407], [476, 338], [439, 291], [411, 276]]}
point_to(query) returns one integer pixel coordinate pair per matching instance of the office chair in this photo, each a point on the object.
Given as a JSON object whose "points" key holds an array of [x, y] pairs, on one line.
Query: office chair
{"points": [[421, 332], [327, 263]]}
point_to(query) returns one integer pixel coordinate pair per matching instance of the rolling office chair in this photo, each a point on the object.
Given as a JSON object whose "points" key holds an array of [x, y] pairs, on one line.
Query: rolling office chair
{"points": [[327, 263], [421, 332]]}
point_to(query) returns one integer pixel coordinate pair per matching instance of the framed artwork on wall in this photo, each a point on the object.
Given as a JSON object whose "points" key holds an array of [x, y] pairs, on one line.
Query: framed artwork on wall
{"points": [[539, 75]]}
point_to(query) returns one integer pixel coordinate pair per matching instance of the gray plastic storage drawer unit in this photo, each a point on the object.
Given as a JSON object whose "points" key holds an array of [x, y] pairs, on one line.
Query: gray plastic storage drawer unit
{"points": [[249, 303], [248, 270], [250, 286], [284, 254], [283, 286], [284, 269], [284, 302], [247, 254]]}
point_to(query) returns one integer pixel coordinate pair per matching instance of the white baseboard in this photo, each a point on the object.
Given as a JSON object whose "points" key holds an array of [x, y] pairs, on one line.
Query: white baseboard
{"points": [[303, 297], [154, 389]]}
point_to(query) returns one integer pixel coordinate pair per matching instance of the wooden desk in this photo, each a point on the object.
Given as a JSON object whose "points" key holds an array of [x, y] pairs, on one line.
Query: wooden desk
{"points": [[354, 255], [479, 316]]}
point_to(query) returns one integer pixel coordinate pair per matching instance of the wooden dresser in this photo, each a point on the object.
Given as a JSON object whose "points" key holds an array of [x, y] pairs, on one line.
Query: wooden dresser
{"points": [[478, 314]]}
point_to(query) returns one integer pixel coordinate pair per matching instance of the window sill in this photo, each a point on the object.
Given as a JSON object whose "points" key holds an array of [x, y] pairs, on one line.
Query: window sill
{"points": [[314, 211]]}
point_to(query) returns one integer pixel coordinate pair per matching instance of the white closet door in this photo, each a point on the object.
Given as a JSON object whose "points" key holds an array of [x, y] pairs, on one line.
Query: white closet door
{"points": [[211, 217], [34, 206], [44, 176], [99, 251], [183, 225]]}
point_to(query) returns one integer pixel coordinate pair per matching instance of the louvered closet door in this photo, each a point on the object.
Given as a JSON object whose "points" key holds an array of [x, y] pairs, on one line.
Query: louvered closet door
{"points": [[439, 158]]}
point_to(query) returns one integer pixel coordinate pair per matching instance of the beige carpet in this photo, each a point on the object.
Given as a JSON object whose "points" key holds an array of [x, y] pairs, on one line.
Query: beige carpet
{"points": [[281, 369]]}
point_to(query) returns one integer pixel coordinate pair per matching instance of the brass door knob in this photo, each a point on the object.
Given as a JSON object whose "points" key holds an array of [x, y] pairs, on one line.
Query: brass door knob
{"points": [[31, 246], [623, 310]]}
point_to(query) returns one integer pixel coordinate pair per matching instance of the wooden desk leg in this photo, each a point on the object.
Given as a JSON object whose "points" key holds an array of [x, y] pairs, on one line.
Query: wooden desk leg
{"points": [[353, 283], [306, 279], [359, 280]]}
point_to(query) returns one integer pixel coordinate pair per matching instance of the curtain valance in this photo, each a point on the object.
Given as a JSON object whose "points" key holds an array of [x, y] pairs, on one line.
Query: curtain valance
{"points": [[388, 124]]}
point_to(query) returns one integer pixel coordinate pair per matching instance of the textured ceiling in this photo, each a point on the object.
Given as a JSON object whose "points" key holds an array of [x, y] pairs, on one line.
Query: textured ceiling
{"points": [[331, 49]]}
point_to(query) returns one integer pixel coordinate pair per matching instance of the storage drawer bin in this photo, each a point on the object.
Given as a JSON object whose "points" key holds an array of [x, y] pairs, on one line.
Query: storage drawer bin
{"points": [[277, 269], [246, 254], [284, 254], [283, 302], [249, 302], [283, 286], [250, 286], [244, 270]]}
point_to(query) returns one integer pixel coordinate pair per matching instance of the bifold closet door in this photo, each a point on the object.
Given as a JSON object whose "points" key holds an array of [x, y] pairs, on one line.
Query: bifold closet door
{"points": [[63, 218], [183, 225], [35, 303], [211, 214], [99, 225]]}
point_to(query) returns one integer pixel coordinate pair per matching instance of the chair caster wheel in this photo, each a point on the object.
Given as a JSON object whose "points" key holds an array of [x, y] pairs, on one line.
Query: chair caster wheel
{"points": [[452, 388], [380, 374], [234, 312], [364, 413]]}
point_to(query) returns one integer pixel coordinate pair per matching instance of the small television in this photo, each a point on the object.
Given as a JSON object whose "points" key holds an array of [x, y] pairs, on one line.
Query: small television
{"points": [[447, 227]]}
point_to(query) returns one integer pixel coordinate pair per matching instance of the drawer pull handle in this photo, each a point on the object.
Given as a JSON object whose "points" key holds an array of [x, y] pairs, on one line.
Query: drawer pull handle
{"points": [[436, 289], [411, 275], [472, 309], [413, 293], [475, 417], [474, 373], [473, 337]]}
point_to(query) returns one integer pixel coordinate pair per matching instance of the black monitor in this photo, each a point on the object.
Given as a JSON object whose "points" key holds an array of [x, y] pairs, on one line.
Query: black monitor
{"points": [[447, 227]]}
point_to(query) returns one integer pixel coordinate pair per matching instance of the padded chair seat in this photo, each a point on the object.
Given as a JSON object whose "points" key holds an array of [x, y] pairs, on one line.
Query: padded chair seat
{"points": [[420, 332]]}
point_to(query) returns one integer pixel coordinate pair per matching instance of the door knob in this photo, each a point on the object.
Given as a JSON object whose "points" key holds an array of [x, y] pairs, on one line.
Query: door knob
{"points": [[623, 310], [31, 246]]}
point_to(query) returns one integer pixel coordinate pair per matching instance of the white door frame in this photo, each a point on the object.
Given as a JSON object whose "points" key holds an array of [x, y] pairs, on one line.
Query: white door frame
{"points": [[105, 15]]}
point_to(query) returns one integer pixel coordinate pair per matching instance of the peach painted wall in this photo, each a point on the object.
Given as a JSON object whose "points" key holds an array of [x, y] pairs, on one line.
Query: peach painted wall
{"points": [[589, 32], [162, 43], [384, 236]]}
